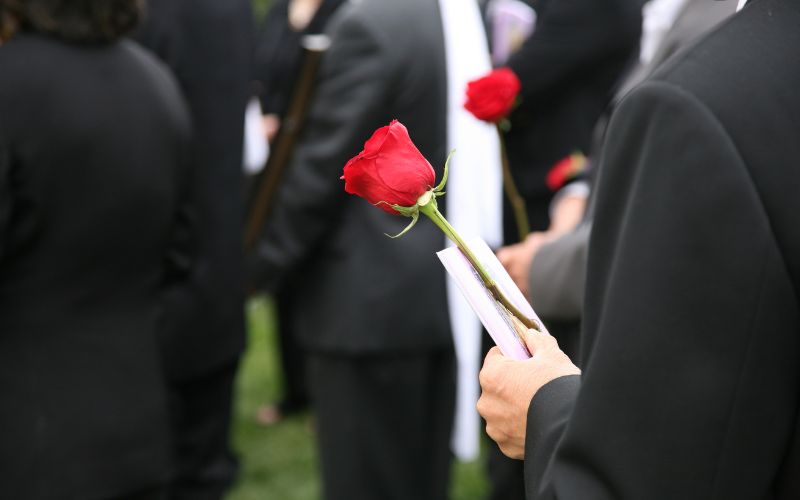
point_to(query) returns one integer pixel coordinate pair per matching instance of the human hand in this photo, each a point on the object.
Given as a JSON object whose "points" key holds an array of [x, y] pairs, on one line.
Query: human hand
{"points": [[271, 123], [508, 386], [518, 258], [301, 12]]}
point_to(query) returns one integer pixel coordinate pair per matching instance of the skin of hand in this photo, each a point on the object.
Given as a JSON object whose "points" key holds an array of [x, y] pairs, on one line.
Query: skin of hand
{"points": [[567, 213], [271, 123], [508, 386], [518, 258], [301, 12]]}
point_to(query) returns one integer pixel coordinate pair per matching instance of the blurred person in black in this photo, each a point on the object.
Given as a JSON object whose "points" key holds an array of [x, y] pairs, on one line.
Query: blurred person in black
{"points": [[93, 141], [279, 55], [381, 378], [569, 67], [208, 45], [278, 65]]}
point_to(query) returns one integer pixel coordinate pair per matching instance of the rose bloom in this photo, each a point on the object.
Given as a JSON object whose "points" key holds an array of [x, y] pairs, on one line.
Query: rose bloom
{"points": [[390, 169], [491, 97]]}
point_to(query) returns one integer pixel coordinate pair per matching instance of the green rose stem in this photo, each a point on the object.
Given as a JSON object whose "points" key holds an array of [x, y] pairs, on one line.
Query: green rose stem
{"points": [[517, 202], [428, 206]]}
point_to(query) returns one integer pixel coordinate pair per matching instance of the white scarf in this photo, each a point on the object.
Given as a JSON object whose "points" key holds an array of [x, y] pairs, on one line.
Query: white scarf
{"points": [[474, 198]]}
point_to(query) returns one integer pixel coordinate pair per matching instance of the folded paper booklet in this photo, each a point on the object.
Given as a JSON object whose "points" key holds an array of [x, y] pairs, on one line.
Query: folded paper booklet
{"points": [[512, 23], [495, 318]]}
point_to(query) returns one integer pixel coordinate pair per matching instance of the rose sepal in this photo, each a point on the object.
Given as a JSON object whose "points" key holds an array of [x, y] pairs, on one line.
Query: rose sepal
{"points": [[439, 189], [412, 212]]}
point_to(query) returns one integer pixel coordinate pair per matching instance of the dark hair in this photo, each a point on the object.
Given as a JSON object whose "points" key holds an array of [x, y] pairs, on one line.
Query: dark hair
{"points": [[82, 21]]}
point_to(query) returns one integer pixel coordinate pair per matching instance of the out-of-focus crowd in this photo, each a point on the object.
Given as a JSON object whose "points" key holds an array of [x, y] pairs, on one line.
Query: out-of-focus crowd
{"points": [[131, 232]]}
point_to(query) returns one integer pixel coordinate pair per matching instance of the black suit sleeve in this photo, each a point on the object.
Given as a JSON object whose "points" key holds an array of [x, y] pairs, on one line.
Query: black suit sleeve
{"points": [[686, 295], [5, 193], [349, 99], [182, 249], [277, 60], [571, 38]]}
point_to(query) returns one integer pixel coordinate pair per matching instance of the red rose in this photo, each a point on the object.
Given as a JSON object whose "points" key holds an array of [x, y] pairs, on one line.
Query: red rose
{"points": [[392, 174], [565, 170], [491, 97], [390, 169]]}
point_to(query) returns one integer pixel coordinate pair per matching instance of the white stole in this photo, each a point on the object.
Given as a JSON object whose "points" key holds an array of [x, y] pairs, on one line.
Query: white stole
{"points": [[474, 199]]}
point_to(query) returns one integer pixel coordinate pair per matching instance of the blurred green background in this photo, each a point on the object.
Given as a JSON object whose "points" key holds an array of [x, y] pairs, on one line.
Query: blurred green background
{"points": [[260, 7]]}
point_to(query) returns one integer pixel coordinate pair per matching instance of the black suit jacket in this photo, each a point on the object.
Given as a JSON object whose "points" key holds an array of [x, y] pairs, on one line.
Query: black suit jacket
{"points": [[208, 45], [359, 291], [691, 386], [568, 68], [92, 162]]}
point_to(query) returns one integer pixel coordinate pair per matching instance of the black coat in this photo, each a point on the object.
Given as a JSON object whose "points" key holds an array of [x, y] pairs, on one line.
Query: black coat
{"points": [[208, 45], [359, 291], [92, 139], [569, 68], [279, 56], [691, 386]]}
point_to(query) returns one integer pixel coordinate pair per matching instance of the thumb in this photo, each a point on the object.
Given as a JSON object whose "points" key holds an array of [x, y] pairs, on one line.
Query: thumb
{"points": [[537, 341], [534, 340]]}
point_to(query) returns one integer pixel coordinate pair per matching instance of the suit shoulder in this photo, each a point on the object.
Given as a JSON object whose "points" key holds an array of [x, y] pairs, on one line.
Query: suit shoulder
{"points": [[150, 65], [160, 81], [388, 21], [355, 18], [405, 37], [169, 14], [230, 9], [722, 67]]}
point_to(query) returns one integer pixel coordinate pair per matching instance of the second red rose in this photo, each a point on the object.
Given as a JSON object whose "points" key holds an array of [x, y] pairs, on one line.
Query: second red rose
{"points": [[492, 97]]}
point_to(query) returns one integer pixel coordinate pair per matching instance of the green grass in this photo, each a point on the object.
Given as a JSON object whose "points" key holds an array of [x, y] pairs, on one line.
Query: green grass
{"points": [[279, 462], [260, 8]]}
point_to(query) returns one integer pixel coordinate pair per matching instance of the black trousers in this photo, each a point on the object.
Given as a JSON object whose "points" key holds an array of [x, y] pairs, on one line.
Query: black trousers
{"points": [[292, 354], [200, 409], [159, 493], [506, 475], [384, 424]]}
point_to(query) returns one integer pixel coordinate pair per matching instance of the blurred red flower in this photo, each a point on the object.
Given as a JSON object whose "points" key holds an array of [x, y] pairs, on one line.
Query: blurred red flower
{"points": [[565, 170], [492, 97]]}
